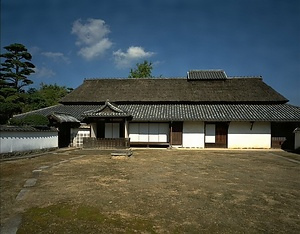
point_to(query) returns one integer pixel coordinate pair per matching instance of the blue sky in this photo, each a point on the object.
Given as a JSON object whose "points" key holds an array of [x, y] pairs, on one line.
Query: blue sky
{"points": [[72, 40]]}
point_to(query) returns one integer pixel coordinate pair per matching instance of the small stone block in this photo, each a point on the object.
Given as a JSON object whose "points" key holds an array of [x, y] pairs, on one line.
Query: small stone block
{"points": [[21, 194], [44, 167], [30, 182], [122, 153], [36, 172], [64, 161]]}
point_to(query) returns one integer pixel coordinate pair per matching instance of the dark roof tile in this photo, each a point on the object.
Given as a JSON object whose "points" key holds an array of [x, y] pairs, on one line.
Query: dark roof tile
{"points": [[206, 75], [190, 112], [74, 110], [215, 112], [10, 128], [107, 110], [63, 118]]}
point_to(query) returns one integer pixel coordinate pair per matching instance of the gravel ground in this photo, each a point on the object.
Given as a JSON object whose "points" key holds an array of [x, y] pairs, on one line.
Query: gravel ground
{"points": [[154, 191]]}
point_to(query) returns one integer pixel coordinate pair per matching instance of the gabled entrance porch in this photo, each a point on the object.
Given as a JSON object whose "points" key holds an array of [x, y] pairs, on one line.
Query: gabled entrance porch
{"points": [[109, 127]]}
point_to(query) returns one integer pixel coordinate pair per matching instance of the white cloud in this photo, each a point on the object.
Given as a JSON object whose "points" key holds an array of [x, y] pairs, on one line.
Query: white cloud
{"points": [[133, 54], [56, 56], [43, 72], [95, 50], [34, 50], [92, 37]]}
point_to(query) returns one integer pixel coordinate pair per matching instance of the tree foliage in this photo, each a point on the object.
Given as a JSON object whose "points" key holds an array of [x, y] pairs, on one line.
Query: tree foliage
{"points": [[142, 70], [46, 95], [16, 67], [14, 76], [32, 120]]}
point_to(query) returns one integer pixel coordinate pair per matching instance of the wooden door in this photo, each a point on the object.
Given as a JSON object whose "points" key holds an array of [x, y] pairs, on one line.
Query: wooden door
{"points": [[221, 135], [64, 135], [177, 133]]}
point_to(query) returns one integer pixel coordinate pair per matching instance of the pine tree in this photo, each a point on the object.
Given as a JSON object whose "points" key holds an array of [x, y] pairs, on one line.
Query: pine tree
{"points": [[14, 76]]}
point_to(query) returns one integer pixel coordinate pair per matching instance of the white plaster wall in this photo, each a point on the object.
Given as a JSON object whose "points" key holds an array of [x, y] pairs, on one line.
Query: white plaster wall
{"points": [[193, 134], [24, 141], [297, 140], [93, 129], [240, 135], [77, 135]]}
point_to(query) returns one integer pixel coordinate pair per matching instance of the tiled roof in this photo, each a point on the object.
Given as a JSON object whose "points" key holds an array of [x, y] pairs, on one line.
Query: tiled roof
{"points": [[63, 117], [8, 128], [107, 110], [191, 112], [206, 75], [73, 110], [218, 112], [234, 90]]}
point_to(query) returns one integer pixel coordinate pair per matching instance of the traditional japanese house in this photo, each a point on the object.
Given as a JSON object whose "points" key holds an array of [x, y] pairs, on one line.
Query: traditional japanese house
{"points": [[204, 109]]}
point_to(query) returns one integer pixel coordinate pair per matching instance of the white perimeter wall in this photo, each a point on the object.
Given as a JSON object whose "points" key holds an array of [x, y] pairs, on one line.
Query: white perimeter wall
{"points": [[240, 135], [193, 134], [24, 141]]}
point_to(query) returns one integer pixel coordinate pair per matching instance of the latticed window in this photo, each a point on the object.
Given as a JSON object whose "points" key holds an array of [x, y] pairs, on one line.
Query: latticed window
{"points": [[78, 135]]}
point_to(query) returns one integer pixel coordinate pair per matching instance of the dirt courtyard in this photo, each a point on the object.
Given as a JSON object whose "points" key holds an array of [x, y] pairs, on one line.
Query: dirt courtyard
{"points": [[154, 191]]}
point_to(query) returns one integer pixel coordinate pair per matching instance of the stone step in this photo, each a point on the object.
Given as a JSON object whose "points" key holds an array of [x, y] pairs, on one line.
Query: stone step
{"points": [[121, 153]]}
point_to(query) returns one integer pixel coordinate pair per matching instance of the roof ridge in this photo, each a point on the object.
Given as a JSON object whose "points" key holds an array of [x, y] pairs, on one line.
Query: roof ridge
{"points": [[206, 70], [126, 78], [45, 108], [259, 76], [108, 104], [113, 107]]}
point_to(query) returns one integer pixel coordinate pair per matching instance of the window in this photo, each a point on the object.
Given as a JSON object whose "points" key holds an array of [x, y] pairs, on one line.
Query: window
{"points": [[210, 133], [149, 132], [112, 130]]}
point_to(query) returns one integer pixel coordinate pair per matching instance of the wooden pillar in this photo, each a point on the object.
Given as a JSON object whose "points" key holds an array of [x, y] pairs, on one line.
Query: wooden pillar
{"points": [[126, 125], [171, 134]]}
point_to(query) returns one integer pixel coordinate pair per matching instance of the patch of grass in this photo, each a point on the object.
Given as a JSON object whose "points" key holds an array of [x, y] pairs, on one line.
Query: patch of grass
{"points": [[70, 218]]}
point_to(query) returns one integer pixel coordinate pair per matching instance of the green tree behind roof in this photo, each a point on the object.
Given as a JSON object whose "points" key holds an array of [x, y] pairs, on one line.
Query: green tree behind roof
{"points": [[46, 95], [142, 70]]}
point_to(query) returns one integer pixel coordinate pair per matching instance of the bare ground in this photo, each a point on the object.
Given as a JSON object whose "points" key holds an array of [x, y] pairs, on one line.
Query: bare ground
{"points": [[155, 191]]}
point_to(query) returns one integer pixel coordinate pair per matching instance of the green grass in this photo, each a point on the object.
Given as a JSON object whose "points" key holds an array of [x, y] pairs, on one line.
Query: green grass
{"points": [[70, 218]]}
